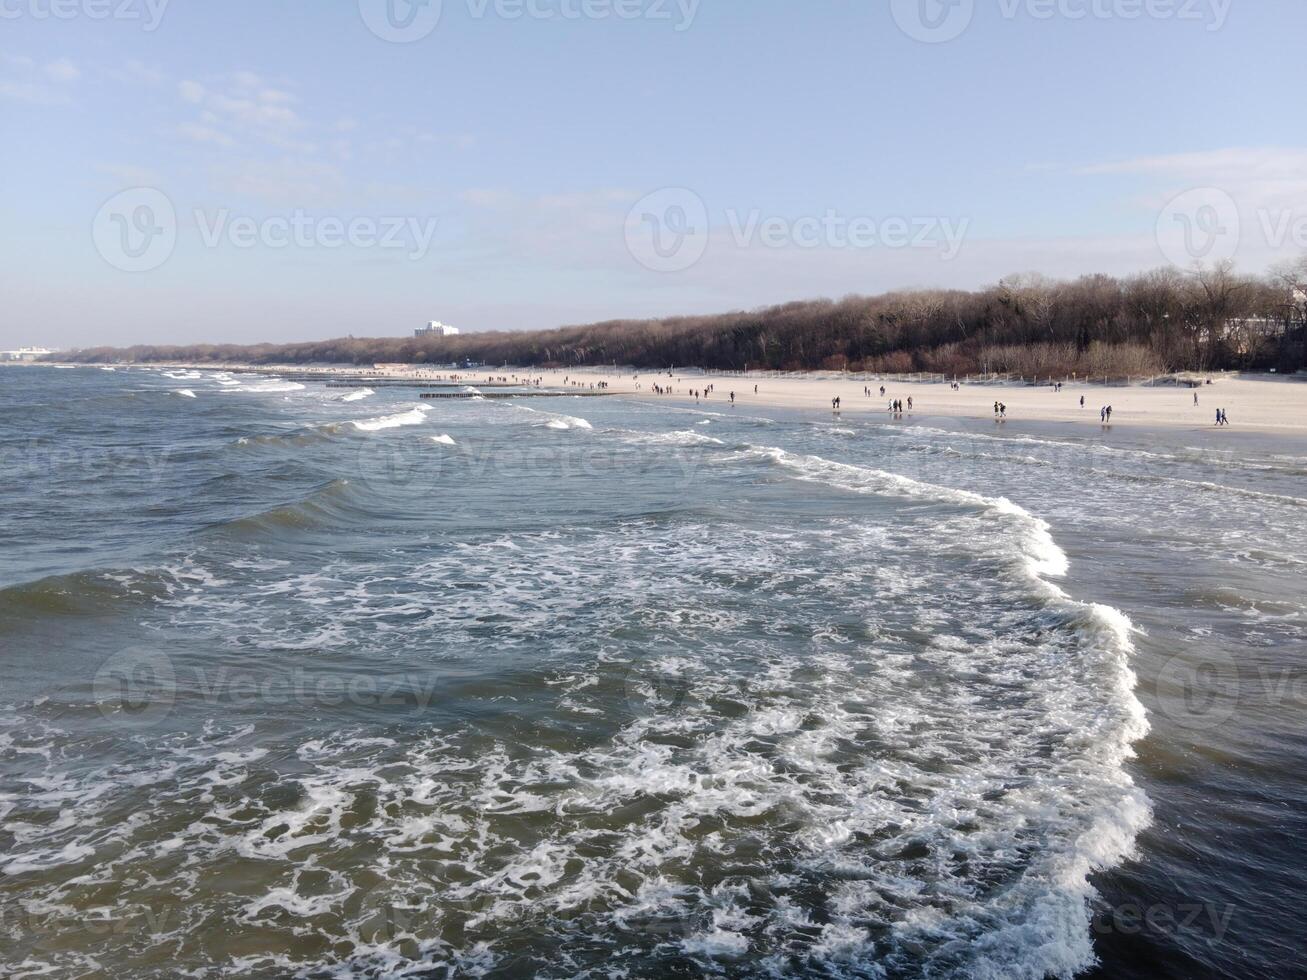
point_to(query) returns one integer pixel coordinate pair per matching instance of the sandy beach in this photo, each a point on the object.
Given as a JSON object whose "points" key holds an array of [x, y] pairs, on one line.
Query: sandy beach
{"points": [[1251, 403], [1259, 403]]}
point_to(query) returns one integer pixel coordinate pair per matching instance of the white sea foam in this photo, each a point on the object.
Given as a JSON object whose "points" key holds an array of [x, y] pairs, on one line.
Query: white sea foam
{"points": [[444, 439], [1052, 938], [680, 438], [414, 416], [556, 421], [358, 396], [185, 392], [269, 388]]}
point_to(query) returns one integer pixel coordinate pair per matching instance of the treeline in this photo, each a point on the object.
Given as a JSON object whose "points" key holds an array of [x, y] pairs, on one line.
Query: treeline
{"points": [[1157, 322]]}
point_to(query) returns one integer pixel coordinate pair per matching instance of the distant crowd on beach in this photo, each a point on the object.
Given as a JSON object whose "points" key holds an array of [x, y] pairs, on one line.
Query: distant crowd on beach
{"points": [[896, 407]]}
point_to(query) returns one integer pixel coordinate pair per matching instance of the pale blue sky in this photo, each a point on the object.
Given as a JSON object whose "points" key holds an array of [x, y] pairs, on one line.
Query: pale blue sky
{"points": [[1044, 140]]}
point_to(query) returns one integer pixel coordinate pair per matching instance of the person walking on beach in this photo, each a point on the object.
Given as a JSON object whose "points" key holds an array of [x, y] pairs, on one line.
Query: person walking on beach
{"points": [[732, 399], [1082, 401], [1195, 399], [909, 403], [1109, 414]]}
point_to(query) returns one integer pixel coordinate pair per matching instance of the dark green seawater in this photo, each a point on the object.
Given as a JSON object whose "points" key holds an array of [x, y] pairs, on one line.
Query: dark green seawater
{"points": [[308, 682]]}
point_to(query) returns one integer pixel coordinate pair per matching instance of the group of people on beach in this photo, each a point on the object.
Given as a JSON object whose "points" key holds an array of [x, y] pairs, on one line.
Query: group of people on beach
{"points": [[896, 406]]}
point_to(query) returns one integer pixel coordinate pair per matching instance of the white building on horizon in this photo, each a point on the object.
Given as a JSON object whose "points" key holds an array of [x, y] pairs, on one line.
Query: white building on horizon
{"points": [[25, 353], [436, 329]]}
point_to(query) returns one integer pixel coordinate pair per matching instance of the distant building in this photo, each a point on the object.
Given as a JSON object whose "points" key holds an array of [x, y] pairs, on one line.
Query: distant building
{"points": [[436, 329], [25, 353]]}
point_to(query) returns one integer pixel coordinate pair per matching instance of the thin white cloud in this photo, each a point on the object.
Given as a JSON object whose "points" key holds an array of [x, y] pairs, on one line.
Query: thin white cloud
{"points": [[125, 175], [32, 93], [204, 134], [1244, 162], [252, 112], [63, 71], [488, 197], [283, 183], [139, 72], [1259, 179], [35, 88]]}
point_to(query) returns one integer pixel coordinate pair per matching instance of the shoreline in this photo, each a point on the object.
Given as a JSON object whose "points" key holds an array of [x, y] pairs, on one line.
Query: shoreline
{"points": [[1262, 403]]}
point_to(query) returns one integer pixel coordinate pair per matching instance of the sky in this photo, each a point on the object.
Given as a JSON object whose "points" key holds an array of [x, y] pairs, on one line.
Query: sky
{"points": [[177, 171]]}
